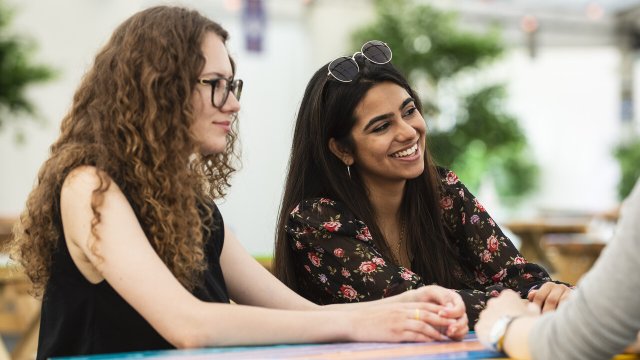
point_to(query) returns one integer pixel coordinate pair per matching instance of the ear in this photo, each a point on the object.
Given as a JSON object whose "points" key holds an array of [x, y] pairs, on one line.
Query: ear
{"points": [[341, 152]]}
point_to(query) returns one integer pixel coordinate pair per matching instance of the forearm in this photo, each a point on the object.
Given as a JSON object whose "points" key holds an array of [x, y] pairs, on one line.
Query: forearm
{"points": [[225, 325]]}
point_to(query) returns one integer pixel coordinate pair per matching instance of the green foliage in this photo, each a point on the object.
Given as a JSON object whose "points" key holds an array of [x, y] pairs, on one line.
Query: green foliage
{"points": [[16, 71], [628, 155], [428, 45]]}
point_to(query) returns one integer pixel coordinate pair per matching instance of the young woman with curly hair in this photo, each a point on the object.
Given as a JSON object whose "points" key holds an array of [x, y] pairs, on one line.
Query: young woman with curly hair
{"points": [[121, 236]]}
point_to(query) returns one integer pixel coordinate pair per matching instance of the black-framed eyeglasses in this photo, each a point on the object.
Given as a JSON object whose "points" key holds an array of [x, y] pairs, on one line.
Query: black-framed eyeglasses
{"points": [[220, 89], [346, 68]]}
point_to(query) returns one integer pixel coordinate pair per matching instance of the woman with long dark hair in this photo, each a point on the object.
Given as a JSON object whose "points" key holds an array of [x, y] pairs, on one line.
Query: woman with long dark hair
{"points": [[367, 214]]}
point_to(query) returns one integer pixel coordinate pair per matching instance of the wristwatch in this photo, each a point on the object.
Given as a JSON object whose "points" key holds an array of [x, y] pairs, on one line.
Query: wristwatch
{"points": [[497, 332]]}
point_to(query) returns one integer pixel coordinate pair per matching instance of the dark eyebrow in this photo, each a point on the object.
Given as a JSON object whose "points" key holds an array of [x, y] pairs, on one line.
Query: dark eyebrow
{"points": [[215, 75], [406, 102]]}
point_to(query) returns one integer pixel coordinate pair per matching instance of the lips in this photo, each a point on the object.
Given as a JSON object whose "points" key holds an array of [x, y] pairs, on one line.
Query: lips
{"points": [[407, 152]]}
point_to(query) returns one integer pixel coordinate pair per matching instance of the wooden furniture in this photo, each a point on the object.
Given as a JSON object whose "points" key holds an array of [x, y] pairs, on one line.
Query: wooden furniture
{"points": [[532, 231], [572, 255], [19, 311]]}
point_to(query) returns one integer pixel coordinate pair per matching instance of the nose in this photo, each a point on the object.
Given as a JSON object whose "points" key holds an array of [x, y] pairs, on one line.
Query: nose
{"points": [[406, 132], [232, 105]]}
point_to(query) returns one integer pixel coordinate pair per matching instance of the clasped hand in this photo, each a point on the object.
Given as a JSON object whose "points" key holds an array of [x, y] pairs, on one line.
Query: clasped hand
{"points": [[445, 311]]}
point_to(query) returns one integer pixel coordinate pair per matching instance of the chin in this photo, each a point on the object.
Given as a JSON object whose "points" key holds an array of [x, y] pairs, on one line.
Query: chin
{"points": [[213, 149]]}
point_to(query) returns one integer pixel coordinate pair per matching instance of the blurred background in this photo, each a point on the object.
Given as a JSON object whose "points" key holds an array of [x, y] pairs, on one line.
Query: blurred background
{"points": [[534, 103]]}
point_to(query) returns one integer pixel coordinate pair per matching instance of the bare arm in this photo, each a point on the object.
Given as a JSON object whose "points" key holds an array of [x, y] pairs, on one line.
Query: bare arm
{"points": [[183, 320]]}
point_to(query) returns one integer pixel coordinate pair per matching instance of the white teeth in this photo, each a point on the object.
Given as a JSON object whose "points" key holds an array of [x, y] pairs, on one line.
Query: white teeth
{"points": [[409, 151]]}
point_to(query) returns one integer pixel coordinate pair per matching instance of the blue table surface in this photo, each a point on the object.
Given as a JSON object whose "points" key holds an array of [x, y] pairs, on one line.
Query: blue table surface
{"points": [[467, 349]]}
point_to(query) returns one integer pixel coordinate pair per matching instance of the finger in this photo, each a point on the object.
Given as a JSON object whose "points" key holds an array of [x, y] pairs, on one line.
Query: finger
{"points": [[453, 309], [553, 299], [531, 294], [458, 334], [425, 329], [458, 330], [565, 295], [542, 293], [431, 318]]}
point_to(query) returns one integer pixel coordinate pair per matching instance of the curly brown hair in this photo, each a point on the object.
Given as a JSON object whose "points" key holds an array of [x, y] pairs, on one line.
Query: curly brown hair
{"points": [[131, 118]]}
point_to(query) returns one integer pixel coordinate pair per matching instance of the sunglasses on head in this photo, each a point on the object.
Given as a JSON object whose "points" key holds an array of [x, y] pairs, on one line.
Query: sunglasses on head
{"points": [[346, 68]]}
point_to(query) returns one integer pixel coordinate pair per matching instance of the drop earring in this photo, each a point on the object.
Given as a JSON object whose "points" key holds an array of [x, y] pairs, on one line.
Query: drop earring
{"points": [[349, 171]]}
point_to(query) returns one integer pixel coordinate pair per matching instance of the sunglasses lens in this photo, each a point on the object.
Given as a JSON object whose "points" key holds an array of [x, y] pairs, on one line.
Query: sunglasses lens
{"points": [[377, 52], [343, 69]]}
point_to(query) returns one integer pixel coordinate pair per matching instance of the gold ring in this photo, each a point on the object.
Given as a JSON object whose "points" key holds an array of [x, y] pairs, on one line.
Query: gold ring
{"points": [[417, 314]]}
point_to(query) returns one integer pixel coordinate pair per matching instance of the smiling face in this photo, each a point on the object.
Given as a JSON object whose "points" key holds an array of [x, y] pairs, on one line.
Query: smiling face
{"points": [[388, 136], [211, 125]]}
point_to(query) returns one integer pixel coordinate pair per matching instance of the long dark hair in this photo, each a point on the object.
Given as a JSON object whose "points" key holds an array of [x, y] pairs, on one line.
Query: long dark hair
{"points": [[327, 111]]}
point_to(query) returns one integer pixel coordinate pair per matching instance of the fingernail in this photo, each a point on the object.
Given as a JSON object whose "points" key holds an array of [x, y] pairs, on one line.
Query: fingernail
{"points": [[449, 305]]}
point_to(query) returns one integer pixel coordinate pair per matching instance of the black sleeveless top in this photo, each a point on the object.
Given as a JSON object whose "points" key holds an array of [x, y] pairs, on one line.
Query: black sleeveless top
{"points": [[81, 318]]}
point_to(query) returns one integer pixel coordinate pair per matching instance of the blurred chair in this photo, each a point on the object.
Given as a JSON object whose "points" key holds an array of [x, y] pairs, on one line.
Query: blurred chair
{"points": [[19, 311]]}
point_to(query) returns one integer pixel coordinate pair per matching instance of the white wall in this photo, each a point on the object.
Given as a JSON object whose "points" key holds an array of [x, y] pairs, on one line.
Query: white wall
{"points": [[567, 99]]}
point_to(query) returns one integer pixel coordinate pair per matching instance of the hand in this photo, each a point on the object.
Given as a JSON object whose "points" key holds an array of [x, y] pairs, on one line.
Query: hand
{"points": [[449, 305], [507, 303], [549, 296], [400, 322], [634, 348]]}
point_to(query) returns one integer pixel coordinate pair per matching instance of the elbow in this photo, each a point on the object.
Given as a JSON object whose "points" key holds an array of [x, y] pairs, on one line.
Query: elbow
{"points": [[188, 340]]}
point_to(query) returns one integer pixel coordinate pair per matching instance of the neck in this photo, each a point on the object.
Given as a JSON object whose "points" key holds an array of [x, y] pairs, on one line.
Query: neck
{"points": [[386, 199]]}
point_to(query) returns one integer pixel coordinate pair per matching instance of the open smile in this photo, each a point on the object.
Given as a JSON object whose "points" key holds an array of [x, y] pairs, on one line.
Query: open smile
{"points": [[406, 153]]}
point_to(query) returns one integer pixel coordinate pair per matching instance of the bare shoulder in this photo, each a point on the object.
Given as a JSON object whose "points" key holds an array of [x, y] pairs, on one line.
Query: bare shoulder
{"points": [[82, 178]]}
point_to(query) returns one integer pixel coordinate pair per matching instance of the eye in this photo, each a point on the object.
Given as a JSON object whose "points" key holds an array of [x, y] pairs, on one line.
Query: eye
{"points": [[410, 111], [382, 127]]}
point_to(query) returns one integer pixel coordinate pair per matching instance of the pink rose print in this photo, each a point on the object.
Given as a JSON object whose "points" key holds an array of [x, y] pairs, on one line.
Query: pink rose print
{"points": [[323, 278], [345, 273], [464, 218], [478, 205], [452, 178], [481, 277], [493, 223], [378, 261], [446, 203], [348, 292], [492, 243], [307, 268], [527, 276], [519, 260], [315, 260], [324, 201], [406, 274], [299, 245], [296, 209], [338, 252], [364, 234], [461, 193], [367, 267], [475, 219], [332, 226], [485, 256], [494, 293], [499, 276]]}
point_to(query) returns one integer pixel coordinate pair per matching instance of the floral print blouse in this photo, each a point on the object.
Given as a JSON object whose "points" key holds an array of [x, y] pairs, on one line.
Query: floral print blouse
{"points": [[338, 262]]}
